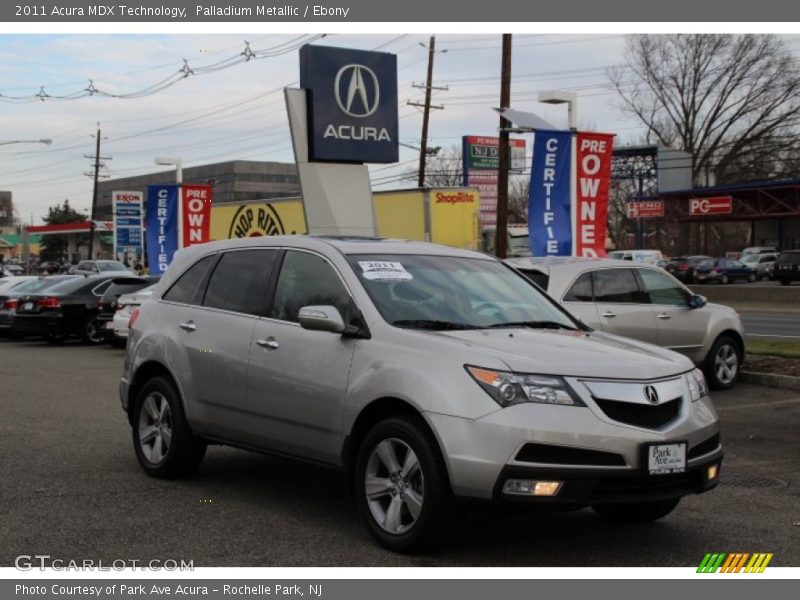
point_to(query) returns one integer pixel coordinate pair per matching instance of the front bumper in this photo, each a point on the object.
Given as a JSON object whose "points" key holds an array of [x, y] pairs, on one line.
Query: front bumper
{"points": [[482, 453]]}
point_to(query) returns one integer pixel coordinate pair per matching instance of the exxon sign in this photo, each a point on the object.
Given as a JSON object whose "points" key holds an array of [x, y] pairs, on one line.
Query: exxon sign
{"points": [[352, 104]]}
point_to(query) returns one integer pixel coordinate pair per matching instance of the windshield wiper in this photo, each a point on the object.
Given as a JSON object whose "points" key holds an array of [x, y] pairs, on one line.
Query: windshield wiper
{"points": [[432, 324], [532, 325]]}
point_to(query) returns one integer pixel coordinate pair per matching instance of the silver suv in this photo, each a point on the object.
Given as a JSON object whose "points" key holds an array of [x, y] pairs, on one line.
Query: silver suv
{"points": [[432, 376]]}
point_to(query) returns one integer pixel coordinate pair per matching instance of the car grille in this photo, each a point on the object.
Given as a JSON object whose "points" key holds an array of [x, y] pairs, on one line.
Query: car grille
{"points": [[647, 416], [705, 447], [562, 455]]}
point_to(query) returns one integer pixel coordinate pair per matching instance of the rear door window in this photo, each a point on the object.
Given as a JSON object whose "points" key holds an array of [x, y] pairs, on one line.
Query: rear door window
{"points": [[239, 282], [581, 290], [189, 287], [618, 286]]}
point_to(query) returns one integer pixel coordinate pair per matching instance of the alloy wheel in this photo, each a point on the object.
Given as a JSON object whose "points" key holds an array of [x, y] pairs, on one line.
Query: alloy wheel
{"points": [[726, 364], [155, 428], [394, 485]]}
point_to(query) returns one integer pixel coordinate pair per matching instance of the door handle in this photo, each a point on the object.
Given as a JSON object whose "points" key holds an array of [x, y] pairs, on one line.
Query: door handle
{"points": [[269, 342], [664, 316], [608, 314], [187, 326]]}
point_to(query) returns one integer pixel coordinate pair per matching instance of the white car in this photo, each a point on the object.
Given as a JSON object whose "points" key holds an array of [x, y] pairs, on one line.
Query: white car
{"points": [[649, 257], [645, 303], [125, 305]]}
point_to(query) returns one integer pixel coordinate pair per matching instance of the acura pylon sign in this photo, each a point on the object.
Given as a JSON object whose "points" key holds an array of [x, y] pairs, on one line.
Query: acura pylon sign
{"points": [[352, 104]]}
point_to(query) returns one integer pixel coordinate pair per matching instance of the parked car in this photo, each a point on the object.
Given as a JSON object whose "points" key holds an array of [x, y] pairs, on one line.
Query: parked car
{"points": [[518, 241], [723, 270], [126, 304], [10, 270], [49, 267], [109, 303], [427, 373], [646, 304], [650, 257], [65, 309], [762, 264], [759, 250], [787, 267], [105, 267], [682, 267], [10, 295]]}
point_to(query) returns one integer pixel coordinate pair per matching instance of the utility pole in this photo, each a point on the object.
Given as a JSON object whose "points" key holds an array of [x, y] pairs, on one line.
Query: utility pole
{"points": [[96, 176], [426, 109], [501, 228]]}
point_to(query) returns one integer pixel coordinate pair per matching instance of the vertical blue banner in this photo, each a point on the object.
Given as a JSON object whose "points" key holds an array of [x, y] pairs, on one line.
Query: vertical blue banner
{"points": [[162, 226], [549, 201]]}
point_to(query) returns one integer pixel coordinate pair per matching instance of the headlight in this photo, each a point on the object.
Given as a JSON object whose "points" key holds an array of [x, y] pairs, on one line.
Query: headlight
{"points": [[508, 388], [697, 384]]}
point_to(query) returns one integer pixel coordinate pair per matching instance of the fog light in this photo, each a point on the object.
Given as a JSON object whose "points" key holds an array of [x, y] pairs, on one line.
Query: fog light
{"points": [[529, 487], [713, 472]]}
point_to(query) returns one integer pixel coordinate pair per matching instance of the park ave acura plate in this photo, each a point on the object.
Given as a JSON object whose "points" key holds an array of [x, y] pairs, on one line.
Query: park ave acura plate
{"points": [[666, 459]]}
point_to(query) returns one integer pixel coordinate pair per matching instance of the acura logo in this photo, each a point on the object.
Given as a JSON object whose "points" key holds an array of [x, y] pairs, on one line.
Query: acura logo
{"points": [[651, 393], [361, 94]]}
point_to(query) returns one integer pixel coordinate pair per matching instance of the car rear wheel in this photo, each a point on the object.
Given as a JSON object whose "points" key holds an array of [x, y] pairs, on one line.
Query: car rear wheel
{"points": [[165, 446], [401, 486], [636, 512], [752, 278], [723, 363], [91, 332]]}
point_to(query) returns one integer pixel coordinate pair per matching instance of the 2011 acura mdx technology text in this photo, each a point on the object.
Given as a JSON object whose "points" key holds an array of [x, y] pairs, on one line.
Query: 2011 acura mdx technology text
{"points": [[433, 376]]}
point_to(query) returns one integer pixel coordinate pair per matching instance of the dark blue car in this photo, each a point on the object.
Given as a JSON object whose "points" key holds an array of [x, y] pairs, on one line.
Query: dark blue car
{"points": [[723, 270]]}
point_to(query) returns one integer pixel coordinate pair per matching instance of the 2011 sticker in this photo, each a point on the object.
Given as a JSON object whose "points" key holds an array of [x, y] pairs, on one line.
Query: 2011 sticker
{"points": [[384, 271]]}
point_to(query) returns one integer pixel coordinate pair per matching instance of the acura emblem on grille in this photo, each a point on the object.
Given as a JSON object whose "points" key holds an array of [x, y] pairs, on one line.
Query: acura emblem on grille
{"points": [[651, 393]]}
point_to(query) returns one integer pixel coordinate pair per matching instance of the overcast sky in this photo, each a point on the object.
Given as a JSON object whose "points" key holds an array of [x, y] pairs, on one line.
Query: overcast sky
{"points": [[238, 112]]}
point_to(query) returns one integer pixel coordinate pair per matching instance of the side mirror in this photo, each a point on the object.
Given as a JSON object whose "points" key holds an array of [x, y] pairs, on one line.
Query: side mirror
{"points": [[697, 301], [321, 318]]}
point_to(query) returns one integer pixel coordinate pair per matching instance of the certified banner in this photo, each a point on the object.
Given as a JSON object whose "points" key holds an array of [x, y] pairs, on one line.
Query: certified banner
{"points": [[195, 215], [162, 226], [549, 200], [591, 193]]}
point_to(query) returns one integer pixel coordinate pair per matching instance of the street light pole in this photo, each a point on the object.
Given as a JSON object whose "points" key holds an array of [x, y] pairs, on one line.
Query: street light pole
{"points": [[176, 162]]}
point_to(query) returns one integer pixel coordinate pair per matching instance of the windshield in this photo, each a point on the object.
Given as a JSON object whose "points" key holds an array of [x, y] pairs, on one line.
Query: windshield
{"points": [[749, 258], [111, 265], [443, 292], [520, 242]]}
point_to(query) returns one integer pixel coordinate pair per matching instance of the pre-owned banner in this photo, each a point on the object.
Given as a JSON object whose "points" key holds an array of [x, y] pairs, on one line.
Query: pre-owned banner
{"points": [[195, 215], [162, 226], [549, 200], [591, 192]]}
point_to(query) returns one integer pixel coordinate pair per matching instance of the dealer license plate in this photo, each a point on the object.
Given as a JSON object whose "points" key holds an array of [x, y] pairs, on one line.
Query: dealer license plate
{"points": [[666, 459], [27, 306]]}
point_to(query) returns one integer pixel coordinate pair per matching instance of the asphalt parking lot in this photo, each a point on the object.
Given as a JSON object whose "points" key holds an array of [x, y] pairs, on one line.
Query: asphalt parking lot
{"points": [[70, 487]]}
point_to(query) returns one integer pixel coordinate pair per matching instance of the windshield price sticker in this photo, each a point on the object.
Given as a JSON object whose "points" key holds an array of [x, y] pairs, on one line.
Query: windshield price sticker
{"points": [[384, 271]]}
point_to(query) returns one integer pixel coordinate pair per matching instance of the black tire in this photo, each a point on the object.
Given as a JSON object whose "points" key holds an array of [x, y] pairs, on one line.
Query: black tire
{"points": [[433, 523], [724, 279], [715, 381], [184, 452], [784, 282], [752, 278], [636, 512], [90, 331]]}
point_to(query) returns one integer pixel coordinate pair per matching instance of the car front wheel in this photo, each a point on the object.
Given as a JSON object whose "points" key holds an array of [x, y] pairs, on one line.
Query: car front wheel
{"points": [[636, 512], [401, 486], [724, 363], [165, 446]]}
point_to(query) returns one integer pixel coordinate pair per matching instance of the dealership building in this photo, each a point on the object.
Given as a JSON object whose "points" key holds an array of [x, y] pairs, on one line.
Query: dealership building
{"points": [[232, 181]]}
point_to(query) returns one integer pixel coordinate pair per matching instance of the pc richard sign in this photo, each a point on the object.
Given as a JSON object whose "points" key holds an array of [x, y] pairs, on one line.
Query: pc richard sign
{"points": [[352, 104]]}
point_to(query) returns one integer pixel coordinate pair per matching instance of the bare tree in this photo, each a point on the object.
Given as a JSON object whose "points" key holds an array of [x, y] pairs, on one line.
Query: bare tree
{"points": [[731, 101], [518, 191], [443, 169]]}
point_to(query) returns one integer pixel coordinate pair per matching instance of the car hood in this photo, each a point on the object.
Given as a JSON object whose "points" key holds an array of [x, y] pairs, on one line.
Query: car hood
{"points": [[574, 353]]}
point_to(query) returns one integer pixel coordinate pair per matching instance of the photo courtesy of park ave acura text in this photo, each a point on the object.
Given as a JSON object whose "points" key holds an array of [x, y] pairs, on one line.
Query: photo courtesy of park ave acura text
{"points": [[415, 299]]}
